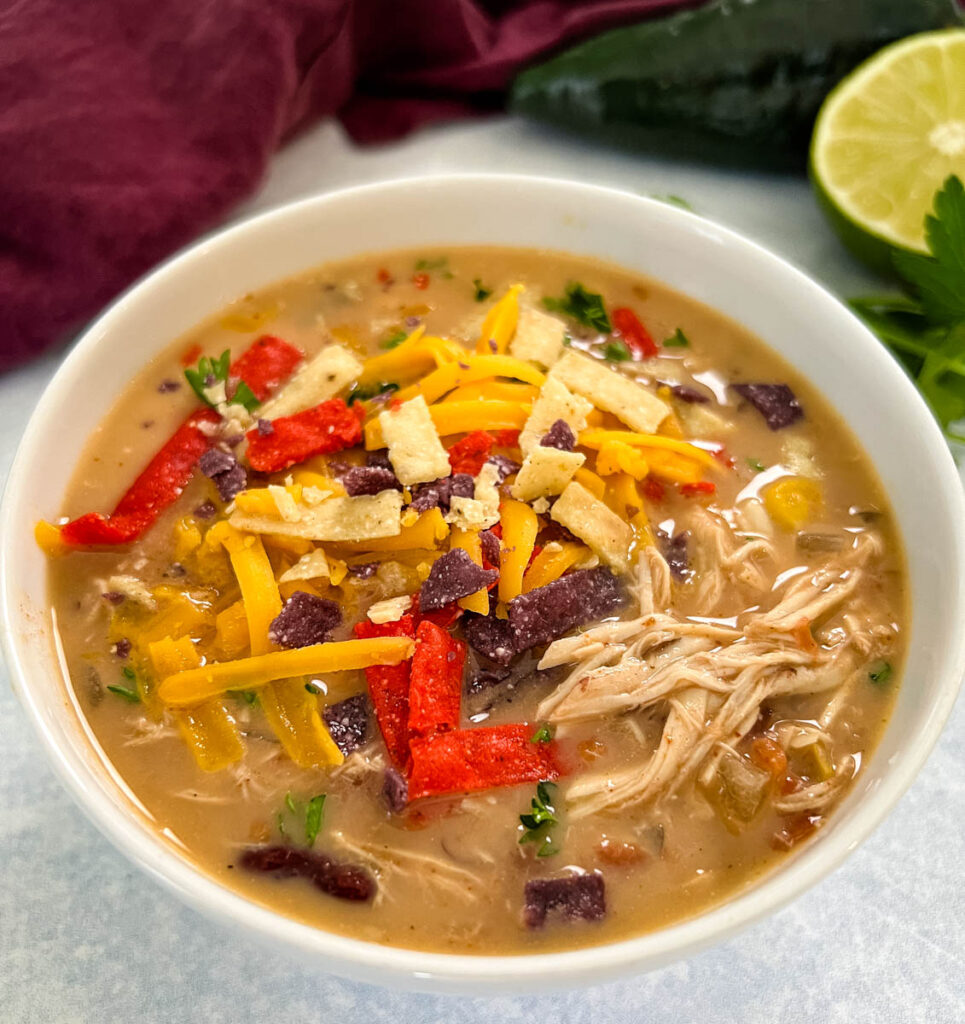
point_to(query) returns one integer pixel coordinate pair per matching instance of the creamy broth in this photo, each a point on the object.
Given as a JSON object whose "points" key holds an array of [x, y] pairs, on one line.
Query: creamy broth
{"points": [[449, 870]]}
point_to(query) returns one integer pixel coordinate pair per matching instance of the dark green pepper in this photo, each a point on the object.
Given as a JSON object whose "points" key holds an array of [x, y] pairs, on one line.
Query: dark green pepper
{"points": [[734, 81]]}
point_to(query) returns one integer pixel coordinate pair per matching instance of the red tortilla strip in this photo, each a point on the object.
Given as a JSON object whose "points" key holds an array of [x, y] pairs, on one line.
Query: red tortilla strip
{"points": [[268, 363], [435, 690], [262, 367], [160, 484], [468, 760], [470, 454], [389, 690], [328, 427]]}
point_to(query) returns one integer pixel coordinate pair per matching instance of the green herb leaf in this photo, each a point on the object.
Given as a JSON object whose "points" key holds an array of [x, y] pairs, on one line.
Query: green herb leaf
{"points": [[541, 821], [880, 672], [434, 264], [673, 200], [677, 340], [128, 673], [927, 334], [582, 306], [756, 465], [394, 340], [290, 801], [249, 696], [482, 293], [365, 394], [132, 696], [313, 818], [939, 279], [543, 734], [616, 352], [218, 369]]}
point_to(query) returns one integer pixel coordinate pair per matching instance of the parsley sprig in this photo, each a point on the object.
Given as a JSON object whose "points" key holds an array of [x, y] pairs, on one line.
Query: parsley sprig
{"points": [[540, 822], [209, 371], [926, 329], [582, 306]]}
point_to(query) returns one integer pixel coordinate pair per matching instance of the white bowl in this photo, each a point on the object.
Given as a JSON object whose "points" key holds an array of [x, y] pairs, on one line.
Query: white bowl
{"points": [[808, 327]]}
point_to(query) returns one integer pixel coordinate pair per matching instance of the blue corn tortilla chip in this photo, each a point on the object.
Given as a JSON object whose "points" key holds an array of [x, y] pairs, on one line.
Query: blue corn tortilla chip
{"points": [[505, 466], [224, 471], [491, 637], [489, 543], [395, 791], [577, 898], [453, 576], [343, 881], [438, 493], [560, 435], [305, 620], [348, 722], [777, 403], [690, 395], [369, 480], [674, 551], [546, 613]]}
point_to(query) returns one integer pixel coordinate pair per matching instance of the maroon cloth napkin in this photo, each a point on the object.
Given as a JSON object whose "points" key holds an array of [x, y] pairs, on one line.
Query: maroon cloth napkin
{"points": [[127, 127]]}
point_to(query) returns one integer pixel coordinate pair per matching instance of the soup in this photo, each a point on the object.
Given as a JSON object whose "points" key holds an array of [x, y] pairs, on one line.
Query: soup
{"points": [[481, 600]]}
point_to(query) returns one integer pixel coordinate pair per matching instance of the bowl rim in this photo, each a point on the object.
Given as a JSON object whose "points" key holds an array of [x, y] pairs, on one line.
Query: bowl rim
{"points": [[454, 972]]}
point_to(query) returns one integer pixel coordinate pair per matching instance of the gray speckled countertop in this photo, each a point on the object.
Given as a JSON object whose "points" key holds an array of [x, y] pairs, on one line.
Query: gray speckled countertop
{"points": [[85, 938]]}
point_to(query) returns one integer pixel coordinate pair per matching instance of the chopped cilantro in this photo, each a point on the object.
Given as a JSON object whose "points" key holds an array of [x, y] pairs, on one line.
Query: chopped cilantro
{"points": [[290, 801], [880, 672], [210, 371], [540, 821], [673, 200], [677, 340], [364, 394], [481, 293], [542, 735], [128, 673], [313, 818], [249, 696], [567, 340], [616, 352], [394, 339], [756, 465], [582, 306], [132, 696], [438, 263], [926, 332]]}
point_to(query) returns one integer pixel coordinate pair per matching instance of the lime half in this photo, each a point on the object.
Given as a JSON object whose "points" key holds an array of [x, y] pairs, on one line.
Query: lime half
{"points": [[887, 138]]}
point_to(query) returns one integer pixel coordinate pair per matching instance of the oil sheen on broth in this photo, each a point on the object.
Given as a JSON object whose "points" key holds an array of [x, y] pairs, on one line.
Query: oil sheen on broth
{"points": [[698, 746]]}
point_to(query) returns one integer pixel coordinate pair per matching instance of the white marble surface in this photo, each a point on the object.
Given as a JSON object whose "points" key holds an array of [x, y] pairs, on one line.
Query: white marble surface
{"points": [[85, 938]]}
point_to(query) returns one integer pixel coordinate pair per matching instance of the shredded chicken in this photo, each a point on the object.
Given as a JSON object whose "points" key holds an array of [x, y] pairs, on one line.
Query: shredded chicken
{"points": [[821, 795], [709, 677]]}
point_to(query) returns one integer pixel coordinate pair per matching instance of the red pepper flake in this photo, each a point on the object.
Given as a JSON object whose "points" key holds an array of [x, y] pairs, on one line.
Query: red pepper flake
{"points": [[329, 427], [435, 689], [654, 489], [470, 454], [723, 457], [638, 338], [266, 364], [191, 355], [159, 485], [389, 689], [468, 760], [506, 438], [421, 281], [395, 404], [701, 487], [803, 636], [383, 276]]}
